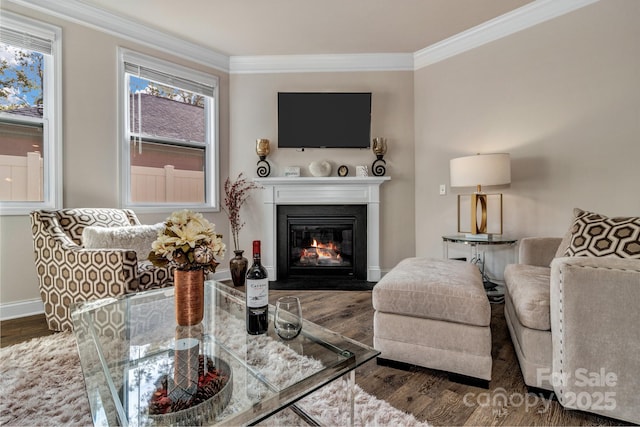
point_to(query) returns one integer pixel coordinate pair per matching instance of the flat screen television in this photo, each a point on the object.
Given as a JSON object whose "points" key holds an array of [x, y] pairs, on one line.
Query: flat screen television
{"points": [[324, 119]]}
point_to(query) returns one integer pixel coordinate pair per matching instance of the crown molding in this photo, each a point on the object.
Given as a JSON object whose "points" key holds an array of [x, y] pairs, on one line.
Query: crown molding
{"points": [[101, 20], [517, 20], [321, 63]]}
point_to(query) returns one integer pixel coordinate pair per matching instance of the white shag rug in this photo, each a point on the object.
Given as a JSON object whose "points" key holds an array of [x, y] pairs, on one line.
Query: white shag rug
{"points": [[42, 385]]}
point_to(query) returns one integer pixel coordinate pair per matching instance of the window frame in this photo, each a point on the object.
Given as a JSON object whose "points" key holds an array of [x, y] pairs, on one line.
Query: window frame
{"points": [[51, 120], [211, 144]]}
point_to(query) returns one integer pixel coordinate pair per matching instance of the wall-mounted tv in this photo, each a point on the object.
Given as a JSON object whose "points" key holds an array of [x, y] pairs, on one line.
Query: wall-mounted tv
{"points": [[324, 119]]}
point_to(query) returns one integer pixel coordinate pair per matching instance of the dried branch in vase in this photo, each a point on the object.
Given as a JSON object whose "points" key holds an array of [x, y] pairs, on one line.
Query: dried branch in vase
{"points": [[236, 193]]}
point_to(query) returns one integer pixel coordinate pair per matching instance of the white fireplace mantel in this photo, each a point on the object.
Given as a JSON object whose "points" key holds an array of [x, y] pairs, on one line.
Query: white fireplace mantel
{"points": [[321, 191]]}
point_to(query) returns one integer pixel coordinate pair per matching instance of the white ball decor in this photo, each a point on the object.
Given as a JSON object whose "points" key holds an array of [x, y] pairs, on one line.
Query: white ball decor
{"points": [[320, 168]]}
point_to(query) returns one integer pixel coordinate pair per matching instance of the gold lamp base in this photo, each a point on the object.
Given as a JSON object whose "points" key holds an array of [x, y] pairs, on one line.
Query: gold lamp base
{"points": [[478, 199], [484, 214]]}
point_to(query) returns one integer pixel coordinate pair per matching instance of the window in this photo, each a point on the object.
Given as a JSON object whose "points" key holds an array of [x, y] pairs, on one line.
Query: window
{"points": [[169, 136], [30, 115]]}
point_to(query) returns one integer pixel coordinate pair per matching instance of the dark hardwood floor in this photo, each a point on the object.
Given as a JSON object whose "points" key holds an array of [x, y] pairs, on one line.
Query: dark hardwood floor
{"points": [[427, 394]]}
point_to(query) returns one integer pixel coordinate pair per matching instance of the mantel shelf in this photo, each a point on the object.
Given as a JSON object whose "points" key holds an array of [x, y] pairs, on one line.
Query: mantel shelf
{"points": [[302, 180]]}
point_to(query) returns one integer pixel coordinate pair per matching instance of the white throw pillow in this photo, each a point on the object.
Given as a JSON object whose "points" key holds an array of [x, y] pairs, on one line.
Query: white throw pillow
{"points": [[136, 237]]}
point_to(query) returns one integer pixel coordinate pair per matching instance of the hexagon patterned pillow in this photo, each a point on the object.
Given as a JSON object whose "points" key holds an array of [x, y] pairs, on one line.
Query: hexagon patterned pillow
{"points": [[593, 234]]}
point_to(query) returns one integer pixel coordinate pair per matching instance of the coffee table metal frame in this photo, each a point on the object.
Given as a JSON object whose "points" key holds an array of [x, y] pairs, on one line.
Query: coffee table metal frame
{"points": [[124, 343]]}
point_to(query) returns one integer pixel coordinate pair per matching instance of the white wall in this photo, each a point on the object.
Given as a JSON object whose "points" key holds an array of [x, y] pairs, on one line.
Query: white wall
{"points": [[562, 97], [253, 110]]}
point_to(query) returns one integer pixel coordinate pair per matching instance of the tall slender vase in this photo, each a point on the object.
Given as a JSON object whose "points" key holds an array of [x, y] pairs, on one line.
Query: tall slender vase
{"points": [[238, 266], [189, 296]]}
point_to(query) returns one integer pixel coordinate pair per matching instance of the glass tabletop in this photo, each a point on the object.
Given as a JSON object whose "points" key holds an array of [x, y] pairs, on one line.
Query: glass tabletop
{"points": [[136, 361]]}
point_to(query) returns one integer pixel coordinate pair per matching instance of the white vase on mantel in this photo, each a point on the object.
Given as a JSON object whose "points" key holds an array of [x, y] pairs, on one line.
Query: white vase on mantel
{"points": [[320, 168]]}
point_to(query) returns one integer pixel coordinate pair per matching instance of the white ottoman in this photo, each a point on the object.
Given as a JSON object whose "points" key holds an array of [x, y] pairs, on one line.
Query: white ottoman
{"points": [[434, 313]]}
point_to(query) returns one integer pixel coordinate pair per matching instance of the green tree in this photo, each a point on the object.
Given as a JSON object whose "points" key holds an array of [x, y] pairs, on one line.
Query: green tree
{"points": [[21, 77], [164, 91]]}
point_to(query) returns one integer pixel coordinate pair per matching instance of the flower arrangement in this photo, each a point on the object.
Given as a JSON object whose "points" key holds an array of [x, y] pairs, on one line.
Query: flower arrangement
{"points": [[236, 193], [188, 242]]}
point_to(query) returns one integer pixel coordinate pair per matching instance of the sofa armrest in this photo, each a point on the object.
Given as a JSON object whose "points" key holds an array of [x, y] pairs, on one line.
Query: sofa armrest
{"points": [[538, 250], [596, 335]]}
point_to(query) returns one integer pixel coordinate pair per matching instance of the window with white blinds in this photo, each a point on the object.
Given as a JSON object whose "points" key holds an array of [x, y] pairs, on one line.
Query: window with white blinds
{"points": [[21, 38], [30, 115], [169, 136]]}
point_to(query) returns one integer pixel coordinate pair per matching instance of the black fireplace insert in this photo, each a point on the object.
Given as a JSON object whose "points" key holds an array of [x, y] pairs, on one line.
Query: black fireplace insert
{"points": [[322, 241]]}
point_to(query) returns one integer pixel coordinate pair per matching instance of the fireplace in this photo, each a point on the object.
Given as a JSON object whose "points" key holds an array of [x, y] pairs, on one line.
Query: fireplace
{"points": [[320, 191], [316, 241]]}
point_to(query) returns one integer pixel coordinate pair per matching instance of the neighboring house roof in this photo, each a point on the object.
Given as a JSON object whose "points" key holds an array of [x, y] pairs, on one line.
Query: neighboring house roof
{"points": [[30, 111], [168, 118], [160, 117]]}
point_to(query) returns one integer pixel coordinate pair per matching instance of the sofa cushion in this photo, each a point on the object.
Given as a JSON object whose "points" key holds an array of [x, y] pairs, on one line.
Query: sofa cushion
{"points": [[528, 286], [135, 237], [433, 288], [593, 234]]}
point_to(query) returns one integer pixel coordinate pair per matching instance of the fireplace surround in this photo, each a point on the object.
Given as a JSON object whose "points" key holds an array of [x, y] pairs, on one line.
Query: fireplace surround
{"points": [[333, 191]]}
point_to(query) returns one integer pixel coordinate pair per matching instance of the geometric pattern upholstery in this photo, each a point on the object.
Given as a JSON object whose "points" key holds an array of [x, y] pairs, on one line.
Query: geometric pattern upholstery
{"points": [[73, 221], [596, 235], [68, 273]]}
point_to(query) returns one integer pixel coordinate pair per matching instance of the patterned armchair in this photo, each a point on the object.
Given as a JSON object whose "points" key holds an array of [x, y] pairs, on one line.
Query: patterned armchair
{"points": [[69, 273]]}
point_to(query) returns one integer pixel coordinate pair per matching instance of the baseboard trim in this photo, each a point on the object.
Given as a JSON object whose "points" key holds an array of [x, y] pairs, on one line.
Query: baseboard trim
{"points": [[14, 310]]}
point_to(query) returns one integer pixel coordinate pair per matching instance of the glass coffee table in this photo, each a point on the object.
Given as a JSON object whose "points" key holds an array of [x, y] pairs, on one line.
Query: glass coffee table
{"points": [[134, 357]]}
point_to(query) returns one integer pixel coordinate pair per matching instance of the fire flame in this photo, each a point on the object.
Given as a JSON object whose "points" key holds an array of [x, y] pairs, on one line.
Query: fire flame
{"points": [[321, 252]]}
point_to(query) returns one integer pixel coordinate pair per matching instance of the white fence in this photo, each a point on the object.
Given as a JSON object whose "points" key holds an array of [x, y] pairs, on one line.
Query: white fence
{"points": [[166, 185], [21, 179]]}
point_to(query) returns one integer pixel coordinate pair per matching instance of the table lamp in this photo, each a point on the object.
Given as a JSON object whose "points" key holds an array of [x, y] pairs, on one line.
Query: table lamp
{"points": [[477, 171]]}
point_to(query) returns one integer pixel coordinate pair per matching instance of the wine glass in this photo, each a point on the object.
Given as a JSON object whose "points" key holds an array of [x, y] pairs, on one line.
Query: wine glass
{"points": [[288, 317]]}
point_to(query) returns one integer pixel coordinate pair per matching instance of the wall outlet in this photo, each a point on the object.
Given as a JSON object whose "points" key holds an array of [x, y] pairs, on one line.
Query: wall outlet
{"points": [[443, 189]]}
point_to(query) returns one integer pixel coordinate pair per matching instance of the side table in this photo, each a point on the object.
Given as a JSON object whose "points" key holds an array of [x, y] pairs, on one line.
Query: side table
{"points": [[495, 291]]}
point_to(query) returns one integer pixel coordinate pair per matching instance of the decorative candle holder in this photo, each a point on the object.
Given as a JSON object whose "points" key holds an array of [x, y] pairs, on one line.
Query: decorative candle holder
{"points": [[262, 149], [379, 148]]}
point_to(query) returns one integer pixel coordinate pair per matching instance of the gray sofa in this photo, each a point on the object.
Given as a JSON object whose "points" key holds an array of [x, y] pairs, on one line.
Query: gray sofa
{"points": [[575, 325]]}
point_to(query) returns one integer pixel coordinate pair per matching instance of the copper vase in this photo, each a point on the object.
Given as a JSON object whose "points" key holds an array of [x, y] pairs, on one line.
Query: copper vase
{"points": [[238, 267], [189, 296]]}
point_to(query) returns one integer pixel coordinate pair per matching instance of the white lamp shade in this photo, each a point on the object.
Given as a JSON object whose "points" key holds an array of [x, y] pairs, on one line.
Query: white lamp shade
{"points": [[481, 169]]}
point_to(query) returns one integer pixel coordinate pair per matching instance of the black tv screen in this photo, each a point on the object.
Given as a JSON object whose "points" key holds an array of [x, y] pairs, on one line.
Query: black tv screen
{"points": [[324, 119]]}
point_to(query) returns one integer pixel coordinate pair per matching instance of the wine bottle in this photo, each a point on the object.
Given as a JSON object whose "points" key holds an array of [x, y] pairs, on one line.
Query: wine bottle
{"points": [[257, 291]]}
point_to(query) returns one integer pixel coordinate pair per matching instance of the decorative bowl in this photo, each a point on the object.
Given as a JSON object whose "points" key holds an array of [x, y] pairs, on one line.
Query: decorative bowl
{"points": [[320, 168], [203, 412]]}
